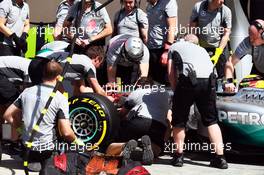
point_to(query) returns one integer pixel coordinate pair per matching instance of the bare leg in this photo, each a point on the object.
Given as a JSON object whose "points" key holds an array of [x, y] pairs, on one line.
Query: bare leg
{"points": [[179, 135], [115, 149], [215, 136]]}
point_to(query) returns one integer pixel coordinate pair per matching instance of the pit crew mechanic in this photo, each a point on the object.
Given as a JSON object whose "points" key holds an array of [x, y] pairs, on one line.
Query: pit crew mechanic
{"points": [[214, 21], [145, 113], [125, 53], [82, 67], [131, 20], [61, 14], [162, 16], [191, 77], [14, 26], [88, 33], [254, 45], [13, 78], [30, 103]]}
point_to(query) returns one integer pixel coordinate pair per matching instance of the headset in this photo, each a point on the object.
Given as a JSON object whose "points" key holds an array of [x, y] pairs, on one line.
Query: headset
{"points": [[259, 27]]}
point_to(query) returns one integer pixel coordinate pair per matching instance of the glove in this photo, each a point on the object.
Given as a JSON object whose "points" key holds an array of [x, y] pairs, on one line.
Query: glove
{"points": [[78, 142], [164, 56], [215, 58], [21, 43]]}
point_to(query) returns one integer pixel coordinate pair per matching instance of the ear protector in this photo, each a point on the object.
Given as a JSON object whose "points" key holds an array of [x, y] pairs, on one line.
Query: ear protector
{"points": [[259, 27]]}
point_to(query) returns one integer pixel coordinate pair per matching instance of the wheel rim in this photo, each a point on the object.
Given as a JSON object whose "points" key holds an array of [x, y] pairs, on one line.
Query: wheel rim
{"points": [[84, 123]]}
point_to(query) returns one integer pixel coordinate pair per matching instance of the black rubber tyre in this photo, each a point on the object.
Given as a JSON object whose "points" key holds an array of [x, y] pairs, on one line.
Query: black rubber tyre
{"points": [[94, 119]]}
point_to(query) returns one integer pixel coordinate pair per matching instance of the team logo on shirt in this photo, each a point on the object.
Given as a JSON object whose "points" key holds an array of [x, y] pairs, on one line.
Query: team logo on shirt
{"points": [[203, 13]]}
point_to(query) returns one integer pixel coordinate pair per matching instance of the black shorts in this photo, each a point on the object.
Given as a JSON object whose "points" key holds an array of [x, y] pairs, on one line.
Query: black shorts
{"points": [[139, 126], [157, 71], [186, 94], [8, 91]]}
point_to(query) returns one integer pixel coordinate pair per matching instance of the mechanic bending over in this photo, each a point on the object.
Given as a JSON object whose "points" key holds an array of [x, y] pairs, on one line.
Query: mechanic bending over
{"points": [[191, 77], [145, 113], [82, 67], [128, 58], [14, 26], [13, 78], [25, 111], [254, 45]]}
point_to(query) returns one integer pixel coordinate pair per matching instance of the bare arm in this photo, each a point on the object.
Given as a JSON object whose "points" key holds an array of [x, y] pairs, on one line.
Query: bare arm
{"points": [[230, 64], [171, 74], [26, 26], [111, 73], [225, 38], [171, 21], [65, 129], [13, 116], [57, 32], [144, 69], [144, 33], [96, 86], [5, 30]]}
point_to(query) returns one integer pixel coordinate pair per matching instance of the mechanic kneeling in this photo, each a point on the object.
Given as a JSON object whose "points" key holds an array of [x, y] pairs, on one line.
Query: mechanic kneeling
{"points": [[188, 75], [25, 111]]}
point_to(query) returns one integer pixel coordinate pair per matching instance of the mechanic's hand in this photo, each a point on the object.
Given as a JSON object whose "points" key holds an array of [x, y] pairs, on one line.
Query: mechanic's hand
{"points": [[215, 58], [78, 42], [84, 42], [164, 58], [78, 142], [112, 99], [21, 44], [229, 87], [23, 41]]}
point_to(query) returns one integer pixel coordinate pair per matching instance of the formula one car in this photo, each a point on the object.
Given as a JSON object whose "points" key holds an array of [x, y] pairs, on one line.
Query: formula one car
{"points": [[241, 118]]}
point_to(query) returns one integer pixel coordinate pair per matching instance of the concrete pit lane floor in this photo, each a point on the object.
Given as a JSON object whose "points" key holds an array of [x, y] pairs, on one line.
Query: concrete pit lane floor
{"points": [[195, 164]]}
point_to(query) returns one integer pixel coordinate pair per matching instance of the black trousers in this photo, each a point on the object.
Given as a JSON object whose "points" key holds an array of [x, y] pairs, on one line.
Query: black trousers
{"points": [[139, 126], [203, 94], [6, 50], [41, 157], [157, 71]]}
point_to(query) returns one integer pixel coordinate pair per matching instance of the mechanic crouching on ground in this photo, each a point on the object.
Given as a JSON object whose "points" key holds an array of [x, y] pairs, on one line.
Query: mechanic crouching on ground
{"points": [[190, 74], [145, 113], [25, 111], [14, 26], [254, 45], [128, 58]]}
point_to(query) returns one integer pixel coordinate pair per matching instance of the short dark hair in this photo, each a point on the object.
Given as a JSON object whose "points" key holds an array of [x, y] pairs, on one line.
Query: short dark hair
{"points": [[144, 81], [93, 51], [51, 70]]}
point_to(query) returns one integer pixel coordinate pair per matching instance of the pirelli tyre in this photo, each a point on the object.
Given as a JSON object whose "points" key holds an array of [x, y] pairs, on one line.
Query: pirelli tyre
{"points": [[94, 119]]}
